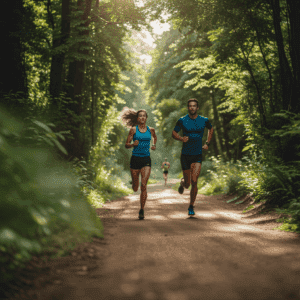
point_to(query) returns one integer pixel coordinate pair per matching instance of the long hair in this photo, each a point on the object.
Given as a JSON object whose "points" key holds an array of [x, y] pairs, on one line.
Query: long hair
{"points": [[129, 116]]}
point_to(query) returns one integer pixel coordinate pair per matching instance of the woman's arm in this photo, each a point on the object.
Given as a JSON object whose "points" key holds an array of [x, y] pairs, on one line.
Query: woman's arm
{"points": [[129, 139]]}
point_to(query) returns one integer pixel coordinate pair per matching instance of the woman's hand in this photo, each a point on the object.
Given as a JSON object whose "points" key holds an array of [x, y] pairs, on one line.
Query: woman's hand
{"points": [[153, 147], [135, 143], [205, 147]]}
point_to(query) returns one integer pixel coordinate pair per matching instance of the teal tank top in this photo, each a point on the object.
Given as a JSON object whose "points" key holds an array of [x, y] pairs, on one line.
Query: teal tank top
{"points": [[142, 149]]}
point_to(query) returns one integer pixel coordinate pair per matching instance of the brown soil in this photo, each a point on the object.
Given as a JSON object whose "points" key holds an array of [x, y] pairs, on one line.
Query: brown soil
{"points": [[221, 253]]}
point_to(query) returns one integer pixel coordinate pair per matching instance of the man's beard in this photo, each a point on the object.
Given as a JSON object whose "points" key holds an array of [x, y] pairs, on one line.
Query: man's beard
{"points": [[193, 112]]}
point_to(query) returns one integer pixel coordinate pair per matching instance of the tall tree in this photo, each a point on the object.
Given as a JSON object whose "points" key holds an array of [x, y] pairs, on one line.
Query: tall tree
{"points": [[58, 57], [13, 80]]}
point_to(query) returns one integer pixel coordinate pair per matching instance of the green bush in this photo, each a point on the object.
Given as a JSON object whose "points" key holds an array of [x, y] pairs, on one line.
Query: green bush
{"points": [[276, 184], [219, 177], [107, 187], [41, 200]]}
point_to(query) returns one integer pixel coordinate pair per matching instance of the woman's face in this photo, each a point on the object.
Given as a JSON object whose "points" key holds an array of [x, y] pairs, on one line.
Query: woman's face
{"points": [[142, 117]]}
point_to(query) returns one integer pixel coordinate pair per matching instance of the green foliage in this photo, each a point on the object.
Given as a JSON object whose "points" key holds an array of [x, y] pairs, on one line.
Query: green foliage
{"points": [[248, 208], [231, 200], [275, 185], [151, 181], [220, 177], [42, 135], [289, 227], [110, 186], [40, 199]]}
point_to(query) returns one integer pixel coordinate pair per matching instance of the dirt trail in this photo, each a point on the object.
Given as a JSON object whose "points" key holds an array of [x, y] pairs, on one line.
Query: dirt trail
{"points": [[218, 254]]}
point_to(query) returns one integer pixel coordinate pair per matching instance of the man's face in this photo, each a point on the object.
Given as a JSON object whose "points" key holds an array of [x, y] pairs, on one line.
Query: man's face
{"points": [[142, 117], [192, 108]]}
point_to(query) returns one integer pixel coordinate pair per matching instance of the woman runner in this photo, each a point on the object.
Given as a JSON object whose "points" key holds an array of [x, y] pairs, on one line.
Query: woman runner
{"points": [[140, 160], [165, 165]]}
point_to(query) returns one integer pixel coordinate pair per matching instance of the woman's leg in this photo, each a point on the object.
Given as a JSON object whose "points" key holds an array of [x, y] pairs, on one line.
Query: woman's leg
{"points": [[145, 171], [165, 177], [135, 179]]}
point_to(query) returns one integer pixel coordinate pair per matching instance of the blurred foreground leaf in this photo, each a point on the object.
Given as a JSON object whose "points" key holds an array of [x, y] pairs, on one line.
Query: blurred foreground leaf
{"points": [[40, 199]]}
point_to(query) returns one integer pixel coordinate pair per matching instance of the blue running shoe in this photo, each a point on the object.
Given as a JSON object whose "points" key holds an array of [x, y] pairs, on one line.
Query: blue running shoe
{"points": [[141, 214], [191, 210]]}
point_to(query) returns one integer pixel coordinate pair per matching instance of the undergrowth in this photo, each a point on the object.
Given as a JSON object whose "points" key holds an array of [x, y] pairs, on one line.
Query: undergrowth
{"points": [[275, 184], [42, 207]]}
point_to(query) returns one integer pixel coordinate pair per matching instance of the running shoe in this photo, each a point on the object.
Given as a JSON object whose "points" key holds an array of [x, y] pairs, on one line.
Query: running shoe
{"points": [[181, 188], [141, 214], [191, 210]]}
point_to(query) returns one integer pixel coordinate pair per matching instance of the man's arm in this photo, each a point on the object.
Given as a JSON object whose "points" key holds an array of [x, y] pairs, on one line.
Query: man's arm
{"points": [[209, 135], [177, 137]]}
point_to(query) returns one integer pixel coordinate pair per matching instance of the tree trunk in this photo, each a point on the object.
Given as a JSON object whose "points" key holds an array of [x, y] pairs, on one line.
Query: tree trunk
{"points": [[58, 59], [259, 97], [75, 79], [12, 59], [287, 81], [226, 121], [217, 125], [260, 41], [92, 106], [294, 16], [214, 144]]}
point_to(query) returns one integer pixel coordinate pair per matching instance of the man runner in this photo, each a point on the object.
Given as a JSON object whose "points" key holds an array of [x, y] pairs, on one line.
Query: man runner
{"points": [[165, 165], [193, 127]]}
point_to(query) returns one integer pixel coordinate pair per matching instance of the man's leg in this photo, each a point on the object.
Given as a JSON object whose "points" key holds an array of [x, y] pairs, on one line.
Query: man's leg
{"points": [[145, 171], [187, 178], [195, 172]]}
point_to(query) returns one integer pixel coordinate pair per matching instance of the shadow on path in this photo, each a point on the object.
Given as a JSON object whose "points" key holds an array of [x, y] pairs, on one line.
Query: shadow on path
{"points": [[217, 254]]}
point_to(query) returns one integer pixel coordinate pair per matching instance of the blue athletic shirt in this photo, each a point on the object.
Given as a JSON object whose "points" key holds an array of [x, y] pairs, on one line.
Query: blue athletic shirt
{"points": [[194, 129], [142, 149]]}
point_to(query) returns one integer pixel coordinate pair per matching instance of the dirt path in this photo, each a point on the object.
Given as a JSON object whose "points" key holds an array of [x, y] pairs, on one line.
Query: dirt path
{"points": [[218, 254]]}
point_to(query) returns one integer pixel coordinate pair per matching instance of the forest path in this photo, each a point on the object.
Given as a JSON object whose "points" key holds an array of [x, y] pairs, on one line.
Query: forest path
{"points": [[218, 254]]}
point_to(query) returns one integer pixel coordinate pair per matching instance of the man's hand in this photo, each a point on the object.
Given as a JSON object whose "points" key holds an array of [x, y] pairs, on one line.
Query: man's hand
{"points": [[205, 147], [153, 147], [135, 143], [185, 139]]}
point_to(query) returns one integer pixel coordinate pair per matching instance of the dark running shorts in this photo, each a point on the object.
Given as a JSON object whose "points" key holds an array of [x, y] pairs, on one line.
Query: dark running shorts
{"points": [[187, 160], [166, 172], [137, 163]]}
